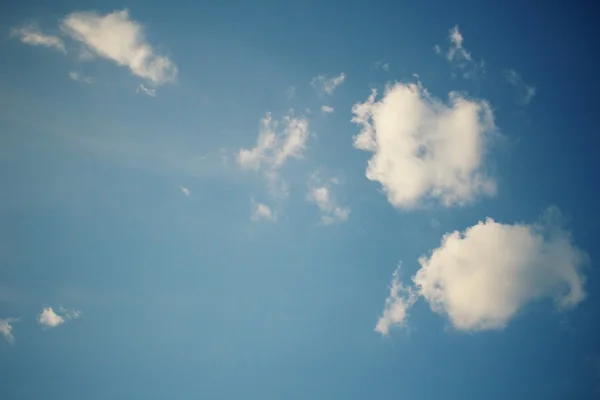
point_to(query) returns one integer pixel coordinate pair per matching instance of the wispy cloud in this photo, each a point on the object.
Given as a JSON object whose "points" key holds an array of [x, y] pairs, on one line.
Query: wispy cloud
{"points": [[78, 77], [381, 65], [525, 92], [31, 35], [327, 109], [321, 194], [460, 57], [147, 91], [278, 141], [51, 319], [262, 212], [395, 311], [6, 328], [185, 191], [326, 84], [115, 36]]}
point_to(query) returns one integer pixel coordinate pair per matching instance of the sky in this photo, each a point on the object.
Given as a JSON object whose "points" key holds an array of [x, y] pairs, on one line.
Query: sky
{"points": [[309, 200]]}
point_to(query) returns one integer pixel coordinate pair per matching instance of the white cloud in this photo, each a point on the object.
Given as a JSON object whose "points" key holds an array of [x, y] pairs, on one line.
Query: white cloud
{"points": [[322, 196], [51, 319], [6, 328], [185, 191], [482, 277], [278, 141], [424, 148], [116, 37], [262, 212], [32, 36], [77, 77], [525, 92], [327, 109], [460, 57], [395, 312], [328, 85], [147, 91]]}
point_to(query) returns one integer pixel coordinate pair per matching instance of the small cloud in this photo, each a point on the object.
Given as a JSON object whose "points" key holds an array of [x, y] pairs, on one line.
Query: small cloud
{"points": [[147, 91], [321, 194], [328, 85], [525, 92], [277, 142], [50, 319], [381, 65], [262, 212], [460, 57], [32, 36], [327, 109], [185, 191], [116, 37], [6, 328], [395, 312], [77, 77]]}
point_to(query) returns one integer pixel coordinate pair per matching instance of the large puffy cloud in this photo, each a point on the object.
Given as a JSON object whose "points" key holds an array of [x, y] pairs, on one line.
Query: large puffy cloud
{"points": [[116, 37], [482, 277], [277, 142], [425, 148]]}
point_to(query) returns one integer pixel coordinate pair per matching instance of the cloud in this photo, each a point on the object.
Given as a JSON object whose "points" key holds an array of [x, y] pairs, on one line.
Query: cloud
{"points": [[424, 148], [290, 92], [148, 92], [322, 196], [395, 312], [525, 92], [381, 65], [185, 191], [328, 85], [50, 319], [262, 212], [327, 109], [278, 141], [77, 77], [6, 328], [460, 57], [32, 36], [482, 277], [116, 37]]}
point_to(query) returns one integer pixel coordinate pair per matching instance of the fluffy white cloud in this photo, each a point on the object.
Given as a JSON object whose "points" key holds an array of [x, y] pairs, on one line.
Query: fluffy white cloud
{"points": [[322, 196], [147, 91], [51, 319], [116, 37], [278, 141], [482, 277], [32, 36], [77, 77], [525, 92], [327, 109], [6, 328], [328, 85], [423, 148], [262, 212], [395, 312]]}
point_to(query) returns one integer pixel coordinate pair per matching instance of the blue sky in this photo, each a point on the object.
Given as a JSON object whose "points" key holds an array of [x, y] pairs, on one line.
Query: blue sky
{"points": [[203, 201]]}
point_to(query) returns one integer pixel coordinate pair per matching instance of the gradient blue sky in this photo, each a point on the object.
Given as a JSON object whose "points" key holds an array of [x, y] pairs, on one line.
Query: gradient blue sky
{"points": [[134, 264]]}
